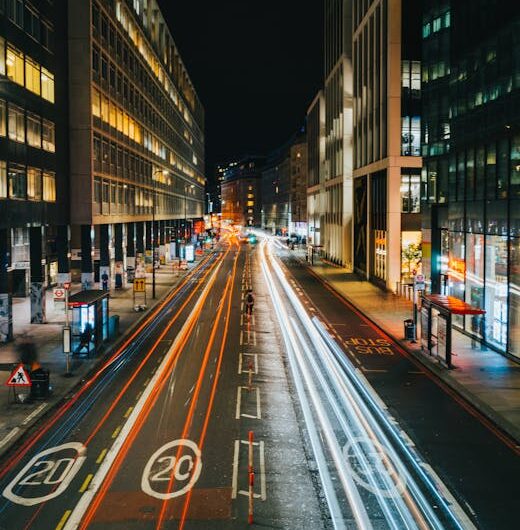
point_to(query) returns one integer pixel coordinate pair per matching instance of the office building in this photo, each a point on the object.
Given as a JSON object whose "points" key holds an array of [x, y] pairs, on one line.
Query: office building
{"points": [[471, 175], [387, 126], [284, 183], [241, 190], [136, 136], [33, 153]]}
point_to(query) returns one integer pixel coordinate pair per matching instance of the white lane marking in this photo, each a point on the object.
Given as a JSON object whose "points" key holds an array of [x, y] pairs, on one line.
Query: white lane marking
{"points": [[234, 480], [86, 499], [9, 436], [34, 413], [241, 360], [263, 485], [238, 413], [48, 473]]}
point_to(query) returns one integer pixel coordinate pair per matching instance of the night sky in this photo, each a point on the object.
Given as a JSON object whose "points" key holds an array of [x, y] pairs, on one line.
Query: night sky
{"points": [[256, 66]]}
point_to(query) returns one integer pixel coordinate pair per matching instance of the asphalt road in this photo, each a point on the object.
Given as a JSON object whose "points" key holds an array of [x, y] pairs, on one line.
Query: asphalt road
{"points": [[470, 456], [158, 437]]}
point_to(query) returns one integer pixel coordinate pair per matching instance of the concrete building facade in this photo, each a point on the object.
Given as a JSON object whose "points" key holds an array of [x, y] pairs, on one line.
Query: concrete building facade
{"points": [[387, 126]]}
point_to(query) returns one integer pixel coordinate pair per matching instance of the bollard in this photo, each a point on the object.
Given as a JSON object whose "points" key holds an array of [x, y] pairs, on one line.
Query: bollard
{"points": [[251, 474]]}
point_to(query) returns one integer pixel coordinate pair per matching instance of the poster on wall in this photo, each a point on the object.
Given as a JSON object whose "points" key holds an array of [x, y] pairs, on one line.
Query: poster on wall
{"points": [[441, 337], [190, 254], [424, 328]]}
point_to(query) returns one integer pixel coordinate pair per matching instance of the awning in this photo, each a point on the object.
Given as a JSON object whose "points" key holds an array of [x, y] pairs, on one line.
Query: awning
{"points": [[453, 305], [87, 297]]}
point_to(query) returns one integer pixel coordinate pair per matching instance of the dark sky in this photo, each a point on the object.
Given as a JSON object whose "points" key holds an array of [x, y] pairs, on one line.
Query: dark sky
{"points": [[256, 66]]}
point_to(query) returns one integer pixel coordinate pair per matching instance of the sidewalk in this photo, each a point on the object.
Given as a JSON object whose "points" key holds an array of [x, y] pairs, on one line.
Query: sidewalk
{"points": [[487, 379], [15, 419]]}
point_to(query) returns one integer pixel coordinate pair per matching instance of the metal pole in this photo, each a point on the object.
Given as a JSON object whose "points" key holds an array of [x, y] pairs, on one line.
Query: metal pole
{"points": [[153, 237]]}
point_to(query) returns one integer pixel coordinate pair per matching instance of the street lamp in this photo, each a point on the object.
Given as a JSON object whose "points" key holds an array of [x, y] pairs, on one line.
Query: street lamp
{"points": [[186, 188], [165, 174]]}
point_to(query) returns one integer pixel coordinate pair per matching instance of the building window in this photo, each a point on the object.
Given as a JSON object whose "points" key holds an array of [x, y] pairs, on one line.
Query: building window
{"points": [[47, 85], [3, 179], [17, 182], [411, 136], [49, 186], [32, 76], [2, 56], [16, 124], [380, 254], [48, 136], [410, 193], [15, 66], [34, 130], [34, 184], [96, 103], [32, 23], [514, 296], [3, 118]]}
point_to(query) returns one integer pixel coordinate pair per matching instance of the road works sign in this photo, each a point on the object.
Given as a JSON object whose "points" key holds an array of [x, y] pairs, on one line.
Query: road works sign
{"points": [[139, 285], [19, 377]]}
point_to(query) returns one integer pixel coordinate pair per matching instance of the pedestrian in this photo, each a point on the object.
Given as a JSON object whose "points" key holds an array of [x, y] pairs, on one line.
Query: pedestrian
{"points": [[84, 339], [104, 280], [250, 303]]}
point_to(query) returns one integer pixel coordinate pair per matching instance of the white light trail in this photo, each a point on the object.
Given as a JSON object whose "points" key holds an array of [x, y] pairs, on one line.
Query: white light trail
{"points": [[340, 408]]}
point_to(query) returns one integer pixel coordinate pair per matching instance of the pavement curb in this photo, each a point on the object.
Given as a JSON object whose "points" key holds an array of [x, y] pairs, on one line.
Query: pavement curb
{"points": [[504, 426], [103, 355]]}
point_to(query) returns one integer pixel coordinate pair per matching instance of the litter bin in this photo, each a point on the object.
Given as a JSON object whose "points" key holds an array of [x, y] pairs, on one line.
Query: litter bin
{"points": [[409, 329], [113, 326], [40, 384]]}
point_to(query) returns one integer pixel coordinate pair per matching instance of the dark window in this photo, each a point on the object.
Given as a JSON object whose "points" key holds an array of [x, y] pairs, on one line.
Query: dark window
{"points": [[104, 27]]}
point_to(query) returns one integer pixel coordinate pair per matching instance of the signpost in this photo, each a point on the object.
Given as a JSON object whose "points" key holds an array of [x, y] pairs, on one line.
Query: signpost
{"points": [[66, 329], [419, 285], [140, 287]]}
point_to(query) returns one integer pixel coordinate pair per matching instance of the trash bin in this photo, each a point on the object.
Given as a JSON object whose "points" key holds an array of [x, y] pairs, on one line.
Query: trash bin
{"points": [[409, 329], [40, 384], [113, 326]]}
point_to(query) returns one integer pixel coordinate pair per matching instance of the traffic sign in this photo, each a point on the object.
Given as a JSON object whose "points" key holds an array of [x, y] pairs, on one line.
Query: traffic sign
{"points": [[59, 294], [419, 282], [139, 285], [66, 285], [19, 377]]}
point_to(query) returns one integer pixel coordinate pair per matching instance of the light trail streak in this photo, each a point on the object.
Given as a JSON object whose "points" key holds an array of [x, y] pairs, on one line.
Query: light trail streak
{"points": [[337, 399], [17, 457]]}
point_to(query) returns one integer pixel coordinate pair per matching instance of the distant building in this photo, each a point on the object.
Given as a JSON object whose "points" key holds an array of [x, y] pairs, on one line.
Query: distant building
{"points": [[471, 148], [284, 181], [387, 140], [330, 136], [241, 190]]}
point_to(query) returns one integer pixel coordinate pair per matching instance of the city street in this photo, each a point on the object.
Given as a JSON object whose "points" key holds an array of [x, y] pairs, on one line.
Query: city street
{"points": [[161, 435]]}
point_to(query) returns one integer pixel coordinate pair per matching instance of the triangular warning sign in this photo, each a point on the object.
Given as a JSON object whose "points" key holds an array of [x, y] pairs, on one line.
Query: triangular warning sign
{"points": [[19, 377]]}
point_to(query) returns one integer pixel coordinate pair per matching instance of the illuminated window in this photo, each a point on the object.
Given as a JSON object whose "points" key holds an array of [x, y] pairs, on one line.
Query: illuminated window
{"points": [[96, 103], [119, 120], [16, 124], [47, 85], [3, 179], [112, 115], [14, 63], [17, 182], [104, 109], [250, 203], [32, 76], [48, 136], [2, 56], [3, 118], [34, 130], [49, 186], [34, 184]]}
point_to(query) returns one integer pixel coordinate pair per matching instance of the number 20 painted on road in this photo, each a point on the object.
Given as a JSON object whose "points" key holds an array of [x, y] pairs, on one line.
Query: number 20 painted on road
{"points": [[47, 472]]}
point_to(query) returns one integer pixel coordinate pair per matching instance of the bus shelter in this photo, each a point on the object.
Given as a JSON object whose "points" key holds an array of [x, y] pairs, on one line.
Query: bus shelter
{"points": [[436, 323], [89, 321]]}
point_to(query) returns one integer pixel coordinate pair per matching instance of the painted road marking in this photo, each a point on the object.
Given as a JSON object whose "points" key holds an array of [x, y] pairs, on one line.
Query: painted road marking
{"points": [[261, 459], [187, 467], [238, 412], [86, 482], [41, 471], [128, 412], [101, 456], [34, 413], [248, 337], [116, 432], [234, 480], [9, 436], [63, 520], [241, 360], [86, 499]]}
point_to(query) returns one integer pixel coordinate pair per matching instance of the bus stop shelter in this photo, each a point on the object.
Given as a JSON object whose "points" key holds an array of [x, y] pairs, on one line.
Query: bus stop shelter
{"points": [[436, 323], [89, 322]]}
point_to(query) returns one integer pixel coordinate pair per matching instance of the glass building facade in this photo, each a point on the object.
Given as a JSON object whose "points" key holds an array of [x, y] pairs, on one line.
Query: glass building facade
{"points": [[470, 183]]}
